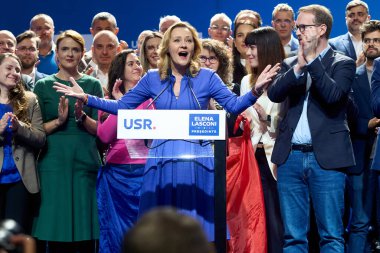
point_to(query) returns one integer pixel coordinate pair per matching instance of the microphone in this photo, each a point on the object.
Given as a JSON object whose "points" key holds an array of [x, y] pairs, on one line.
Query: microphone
{"points": [[162, 91], [190, 83]]}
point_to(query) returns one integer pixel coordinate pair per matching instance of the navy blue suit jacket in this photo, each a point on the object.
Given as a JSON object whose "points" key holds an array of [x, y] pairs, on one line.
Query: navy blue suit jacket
{"points": [[332, 78], [362, 137], [343, 44], [375, 86]]}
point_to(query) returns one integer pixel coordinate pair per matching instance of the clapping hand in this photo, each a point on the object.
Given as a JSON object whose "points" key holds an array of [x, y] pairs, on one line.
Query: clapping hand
{"points": [[4, 122], [63, 110], [116, 92]]}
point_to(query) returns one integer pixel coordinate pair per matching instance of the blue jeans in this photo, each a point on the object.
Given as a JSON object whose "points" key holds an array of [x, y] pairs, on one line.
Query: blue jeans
{"points": [[361, 188], [301, 179]]}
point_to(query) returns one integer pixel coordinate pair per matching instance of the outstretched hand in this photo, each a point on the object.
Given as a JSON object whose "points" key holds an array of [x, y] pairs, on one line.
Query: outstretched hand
{"points": [[266, 77], [74, 91]]}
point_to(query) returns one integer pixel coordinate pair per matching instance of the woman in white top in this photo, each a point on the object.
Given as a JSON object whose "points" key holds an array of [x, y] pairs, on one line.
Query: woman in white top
{"points": [[264, 47]]}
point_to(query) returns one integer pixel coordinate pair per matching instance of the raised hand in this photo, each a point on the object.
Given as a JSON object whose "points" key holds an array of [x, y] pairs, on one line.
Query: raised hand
{"points": [[74, 91], [78, 109], [266, 77], [15, 123], [63, 110], [4, 122], [116, 93]]}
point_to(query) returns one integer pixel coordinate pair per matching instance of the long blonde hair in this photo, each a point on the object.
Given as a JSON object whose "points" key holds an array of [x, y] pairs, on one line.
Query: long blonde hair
{"points": [[164, 61]]}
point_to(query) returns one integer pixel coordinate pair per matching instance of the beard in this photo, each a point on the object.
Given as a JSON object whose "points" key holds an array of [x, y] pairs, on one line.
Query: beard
{"points": [[372, 55], [28, 64]]}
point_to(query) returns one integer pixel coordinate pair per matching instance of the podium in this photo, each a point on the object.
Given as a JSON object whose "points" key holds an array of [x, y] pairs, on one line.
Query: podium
{"points": [[204, 131]]}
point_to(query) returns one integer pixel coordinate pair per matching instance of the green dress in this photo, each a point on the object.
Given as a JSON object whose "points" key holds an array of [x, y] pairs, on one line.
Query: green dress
{"points": [[67, 169]]}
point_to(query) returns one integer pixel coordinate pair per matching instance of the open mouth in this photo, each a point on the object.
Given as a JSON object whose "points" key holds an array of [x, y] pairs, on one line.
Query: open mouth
{"points": [[183, 54]]}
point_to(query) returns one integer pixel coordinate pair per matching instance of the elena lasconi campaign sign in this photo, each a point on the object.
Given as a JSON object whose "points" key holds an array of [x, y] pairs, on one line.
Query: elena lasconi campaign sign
{"points": [[171, 124]]}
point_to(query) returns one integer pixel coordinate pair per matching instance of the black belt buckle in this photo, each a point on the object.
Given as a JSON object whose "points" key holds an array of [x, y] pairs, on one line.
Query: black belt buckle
{"points": [[303, 147]]}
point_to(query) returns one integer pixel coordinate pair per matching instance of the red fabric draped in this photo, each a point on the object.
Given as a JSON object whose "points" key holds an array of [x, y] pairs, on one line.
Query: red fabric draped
{"points": [[245, 200]]}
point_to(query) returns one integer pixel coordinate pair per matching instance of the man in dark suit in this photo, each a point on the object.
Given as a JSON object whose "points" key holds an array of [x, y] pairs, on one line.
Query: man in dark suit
{"points": [[27, 50], [350, 44], [363, 136], [313, 146]]}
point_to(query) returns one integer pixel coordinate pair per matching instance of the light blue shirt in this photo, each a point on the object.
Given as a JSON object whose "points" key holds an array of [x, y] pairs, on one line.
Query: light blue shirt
{"points": [[302, 133]]}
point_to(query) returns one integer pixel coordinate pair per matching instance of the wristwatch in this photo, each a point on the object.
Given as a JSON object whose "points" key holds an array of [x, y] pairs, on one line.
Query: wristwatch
{"points": [[81, 119], [269, 118]]}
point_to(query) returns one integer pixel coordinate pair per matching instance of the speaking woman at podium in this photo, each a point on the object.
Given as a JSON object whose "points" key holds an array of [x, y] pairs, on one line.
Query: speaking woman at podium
{"points": [[179, 83]]}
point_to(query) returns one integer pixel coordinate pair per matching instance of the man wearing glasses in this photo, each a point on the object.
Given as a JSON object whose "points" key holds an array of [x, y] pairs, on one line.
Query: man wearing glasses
{"points": [[350, 44], [8, 45], [313, 146], [363, 136], [220, 27], [27, 51], [283, 23]]}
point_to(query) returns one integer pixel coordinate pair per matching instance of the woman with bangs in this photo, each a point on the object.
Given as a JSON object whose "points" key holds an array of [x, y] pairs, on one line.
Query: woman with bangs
{"points": [[21, 136], [68, 220], [149, 51], [179, 83], [264, 47]]}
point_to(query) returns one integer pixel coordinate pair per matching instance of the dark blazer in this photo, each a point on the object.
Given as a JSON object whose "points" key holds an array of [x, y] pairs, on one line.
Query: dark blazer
{"points": [[375, 87], [332, 77], [28, 139], [362, 137], [343, 44]]}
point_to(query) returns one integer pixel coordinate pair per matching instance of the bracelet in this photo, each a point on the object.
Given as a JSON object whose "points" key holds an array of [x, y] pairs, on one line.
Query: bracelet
{"points": [[85, 101], [256, 93]]}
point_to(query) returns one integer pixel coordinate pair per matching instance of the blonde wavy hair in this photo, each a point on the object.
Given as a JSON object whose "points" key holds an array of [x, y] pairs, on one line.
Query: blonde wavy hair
{"points": [[165, 59]]}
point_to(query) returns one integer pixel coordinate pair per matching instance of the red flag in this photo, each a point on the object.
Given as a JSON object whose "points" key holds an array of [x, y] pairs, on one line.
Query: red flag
{"points": [[245, 200]]}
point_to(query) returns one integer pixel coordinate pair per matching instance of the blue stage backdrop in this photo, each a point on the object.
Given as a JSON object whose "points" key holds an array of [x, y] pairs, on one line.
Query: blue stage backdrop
{"points": [[135, 16]]}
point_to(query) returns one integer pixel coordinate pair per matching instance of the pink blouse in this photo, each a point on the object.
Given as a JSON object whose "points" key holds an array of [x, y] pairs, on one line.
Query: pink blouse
{"points": [[121, 151]]}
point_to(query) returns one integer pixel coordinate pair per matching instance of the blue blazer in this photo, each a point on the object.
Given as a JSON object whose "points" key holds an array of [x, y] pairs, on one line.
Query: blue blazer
{"points": [[343, 44], [375, 86], [332, 78], [362, 137]]}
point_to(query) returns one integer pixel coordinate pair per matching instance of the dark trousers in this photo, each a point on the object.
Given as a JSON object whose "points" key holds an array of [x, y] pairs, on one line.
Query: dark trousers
{"points": [[15, 204], [275, 230]]}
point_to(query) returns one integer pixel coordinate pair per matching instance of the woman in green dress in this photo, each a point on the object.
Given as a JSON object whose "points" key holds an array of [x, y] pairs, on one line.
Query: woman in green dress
{"points": [[67, 220]]}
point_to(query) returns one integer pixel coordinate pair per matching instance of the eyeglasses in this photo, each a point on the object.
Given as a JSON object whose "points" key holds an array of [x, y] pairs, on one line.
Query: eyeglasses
{"points": [[223, 28], [24, 49], [280, 21], [375, 41], [302, 28], [211, 59]]}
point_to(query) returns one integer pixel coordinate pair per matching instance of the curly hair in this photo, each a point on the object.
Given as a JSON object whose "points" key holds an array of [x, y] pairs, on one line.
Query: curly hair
{"points": [[17, 96], [221, 52], [164, 61]]}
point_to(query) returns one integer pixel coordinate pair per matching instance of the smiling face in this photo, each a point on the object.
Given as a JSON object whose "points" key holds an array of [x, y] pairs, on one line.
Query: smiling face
{"points": [[181, 48], [69, 54], [241, 33], [132, 70], [151, 50], [312, 31], [10, 72], [252, 56]]}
